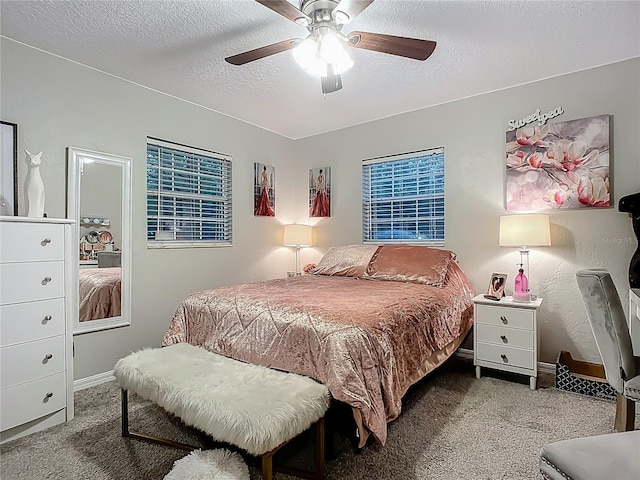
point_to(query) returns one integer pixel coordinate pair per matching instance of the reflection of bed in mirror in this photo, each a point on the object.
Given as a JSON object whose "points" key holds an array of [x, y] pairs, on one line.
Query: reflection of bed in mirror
{"points": [[100, 293]]}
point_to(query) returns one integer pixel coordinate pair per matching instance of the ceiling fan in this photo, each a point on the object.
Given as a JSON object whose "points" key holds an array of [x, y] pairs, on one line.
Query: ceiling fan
{"points": [[323, 52]]}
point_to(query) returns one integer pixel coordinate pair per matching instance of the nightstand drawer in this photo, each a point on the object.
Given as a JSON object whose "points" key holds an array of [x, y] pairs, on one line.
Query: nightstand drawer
{"points": [[516, 357], [507, 337], [504, 316]]}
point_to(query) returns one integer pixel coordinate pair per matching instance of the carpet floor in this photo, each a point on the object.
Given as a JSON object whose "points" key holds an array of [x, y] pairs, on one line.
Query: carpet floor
{"points": [[453, 426]]}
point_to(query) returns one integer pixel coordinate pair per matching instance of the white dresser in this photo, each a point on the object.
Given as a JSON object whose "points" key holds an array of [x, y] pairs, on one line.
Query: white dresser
{"points": [[37, 262], [505, 336]]}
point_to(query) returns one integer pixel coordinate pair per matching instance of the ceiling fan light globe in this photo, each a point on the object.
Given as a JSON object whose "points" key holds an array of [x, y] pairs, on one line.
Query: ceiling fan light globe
{"points": [[317, 68], [306, 53], [342, 65]]}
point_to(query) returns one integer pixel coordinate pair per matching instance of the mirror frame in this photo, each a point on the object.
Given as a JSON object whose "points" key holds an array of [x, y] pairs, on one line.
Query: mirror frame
{"points": [[74, 170]]}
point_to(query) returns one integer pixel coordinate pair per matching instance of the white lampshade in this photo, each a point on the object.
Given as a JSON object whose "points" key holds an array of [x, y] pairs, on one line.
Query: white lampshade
{"points": [[297, 235], [525, 230]]}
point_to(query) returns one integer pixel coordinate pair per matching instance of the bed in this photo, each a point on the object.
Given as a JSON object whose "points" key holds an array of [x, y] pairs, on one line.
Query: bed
{"points": [[368, 322], [100, 293]]}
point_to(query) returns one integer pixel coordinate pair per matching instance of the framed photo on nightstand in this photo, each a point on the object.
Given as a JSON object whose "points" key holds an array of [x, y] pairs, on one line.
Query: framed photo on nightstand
{"points": [[496, 285]]}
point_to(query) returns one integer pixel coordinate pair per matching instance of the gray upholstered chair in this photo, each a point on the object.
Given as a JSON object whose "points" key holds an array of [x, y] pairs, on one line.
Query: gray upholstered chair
{"points": [[614, 343]]}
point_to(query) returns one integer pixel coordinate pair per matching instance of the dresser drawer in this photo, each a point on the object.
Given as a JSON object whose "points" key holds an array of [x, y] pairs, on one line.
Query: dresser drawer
{"points": [[25, 282], [25, 322], [31, 242], [28, 361], [28, 401], [516, 357], [508, 337], [503, 316]]}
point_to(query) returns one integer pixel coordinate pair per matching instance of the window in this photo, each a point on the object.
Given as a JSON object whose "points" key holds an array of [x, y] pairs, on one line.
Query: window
{"points": [[403, 198], [188, 196]]}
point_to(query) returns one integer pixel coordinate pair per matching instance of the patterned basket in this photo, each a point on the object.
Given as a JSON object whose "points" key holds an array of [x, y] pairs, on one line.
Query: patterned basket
{"points": [[582, 377]]}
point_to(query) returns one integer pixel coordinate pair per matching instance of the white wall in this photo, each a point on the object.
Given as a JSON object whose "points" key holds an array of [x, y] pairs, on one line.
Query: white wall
{"points": [[472, 132], [57, 103]]}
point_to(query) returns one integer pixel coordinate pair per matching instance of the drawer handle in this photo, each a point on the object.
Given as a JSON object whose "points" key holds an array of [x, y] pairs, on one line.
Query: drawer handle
{"points": [[504, 358], [45, 242], [504, 319], [48, 356], [46, 280], [504, 338], [46, 319], [48, 396]]}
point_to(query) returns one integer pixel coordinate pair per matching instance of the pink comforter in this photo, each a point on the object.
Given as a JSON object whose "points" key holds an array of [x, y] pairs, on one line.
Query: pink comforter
{"points": [[366, 340], [100, 293]]}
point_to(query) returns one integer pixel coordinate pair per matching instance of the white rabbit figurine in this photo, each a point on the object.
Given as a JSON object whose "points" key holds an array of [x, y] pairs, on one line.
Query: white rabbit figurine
{"points": [[34, 186]]}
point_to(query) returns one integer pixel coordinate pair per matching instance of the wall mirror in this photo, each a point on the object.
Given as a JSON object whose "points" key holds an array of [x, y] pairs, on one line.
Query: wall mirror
{"points": [[98, 198]]}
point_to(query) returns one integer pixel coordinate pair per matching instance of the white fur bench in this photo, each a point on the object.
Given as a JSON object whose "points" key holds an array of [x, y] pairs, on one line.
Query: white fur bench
{"points": [[252, 407]]}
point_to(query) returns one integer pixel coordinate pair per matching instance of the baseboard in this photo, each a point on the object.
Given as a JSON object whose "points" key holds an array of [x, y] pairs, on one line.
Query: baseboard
{"points": [[93, 380], [542, 366]]}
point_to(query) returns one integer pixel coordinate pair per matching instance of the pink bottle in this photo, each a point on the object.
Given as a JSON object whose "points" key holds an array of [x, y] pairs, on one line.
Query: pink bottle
{"points": [[521, 291]]}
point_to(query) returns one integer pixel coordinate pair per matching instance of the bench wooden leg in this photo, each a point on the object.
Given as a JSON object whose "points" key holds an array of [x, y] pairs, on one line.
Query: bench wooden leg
{"points": [[267, 466], [320, 452], [625, 414], [147, 438]]}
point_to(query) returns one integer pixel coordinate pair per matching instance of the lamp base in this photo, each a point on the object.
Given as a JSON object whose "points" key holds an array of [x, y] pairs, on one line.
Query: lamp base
{"points": [[521, 297]]}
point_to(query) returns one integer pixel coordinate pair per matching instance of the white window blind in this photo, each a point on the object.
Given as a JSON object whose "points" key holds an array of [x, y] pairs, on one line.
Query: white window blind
{"points": [[403, 198], [188, 196]]}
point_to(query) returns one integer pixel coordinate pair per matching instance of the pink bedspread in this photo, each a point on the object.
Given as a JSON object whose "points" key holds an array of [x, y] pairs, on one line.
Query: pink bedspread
{"points": [[368, 341], [100, 293]]}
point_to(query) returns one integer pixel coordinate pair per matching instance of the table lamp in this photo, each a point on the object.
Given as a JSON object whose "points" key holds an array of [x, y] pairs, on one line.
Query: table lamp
{"points": [[297, 236], [524, 231]]}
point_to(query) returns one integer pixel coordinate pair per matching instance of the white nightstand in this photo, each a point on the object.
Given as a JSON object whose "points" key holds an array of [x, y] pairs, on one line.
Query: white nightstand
{"points": [[505, 336]]}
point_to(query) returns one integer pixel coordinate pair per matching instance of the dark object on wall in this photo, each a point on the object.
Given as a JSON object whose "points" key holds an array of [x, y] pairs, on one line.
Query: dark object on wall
{"points": [[631, 204], [582, 377], [9, 169]]}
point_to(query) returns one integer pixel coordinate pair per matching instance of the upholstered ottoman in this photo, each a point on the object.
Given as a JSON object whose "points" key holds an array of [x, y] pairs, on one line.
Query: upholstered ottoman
{"points": [[612, 456]]}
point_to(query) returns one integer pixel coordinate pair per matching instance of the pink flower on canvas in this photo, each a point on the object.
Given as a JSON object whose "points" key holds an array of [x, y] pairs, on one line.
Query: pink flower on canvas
{"points": [[521, 161], [594, 192], [566, 155], [557, 196], [529, 136]]}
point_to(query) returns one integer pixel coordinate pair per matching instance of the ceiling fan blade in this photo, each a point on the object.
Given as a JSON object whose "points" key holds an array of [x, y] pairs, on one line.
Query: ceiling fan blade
{"points": [[284, 8], [330, 82], [402, 46], [258, 53], [351, 8]]}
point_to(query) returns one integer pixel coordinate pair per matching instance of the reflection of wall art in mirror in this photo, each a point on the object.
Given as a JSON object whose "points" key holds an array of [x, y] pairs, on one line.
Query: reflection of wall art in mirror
{"points": [[9, 169], [104, 266]]}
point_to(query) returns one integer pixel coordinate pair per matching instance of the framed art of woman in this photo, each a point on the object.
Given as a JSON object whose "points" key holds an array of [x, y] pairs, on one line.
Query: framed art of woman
{"points": [[320, 192], [264, 201]]}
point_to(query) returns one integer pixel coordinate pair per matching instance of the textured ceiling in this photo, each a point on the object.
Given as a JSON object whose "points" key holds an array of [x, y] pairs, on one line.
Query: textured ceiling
{"points": [[178, 47]]}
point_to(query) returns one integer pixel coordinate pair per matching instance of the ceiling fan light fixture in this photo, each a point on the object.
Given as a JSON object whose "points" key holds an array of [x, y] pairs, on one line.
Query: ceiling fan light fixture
{"points": [[340, 17], [321, 49]]}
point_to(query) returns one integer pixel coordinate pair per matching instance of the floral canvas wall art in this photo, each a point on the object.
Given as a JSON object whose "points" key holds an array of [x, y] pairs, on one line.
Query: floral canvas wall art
{"points": [[563, 165], [264, 197], [320, 192]]}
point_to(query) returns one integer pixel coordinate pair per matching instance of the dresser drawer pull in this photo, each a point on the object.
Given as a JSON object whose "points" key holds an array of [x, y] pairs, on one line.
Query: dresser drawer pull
{"points": [[47, 357], [45, 242], [504, 338], [504, 319], [46, 319], [504, 358], [46, 280], [47, 397]]}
